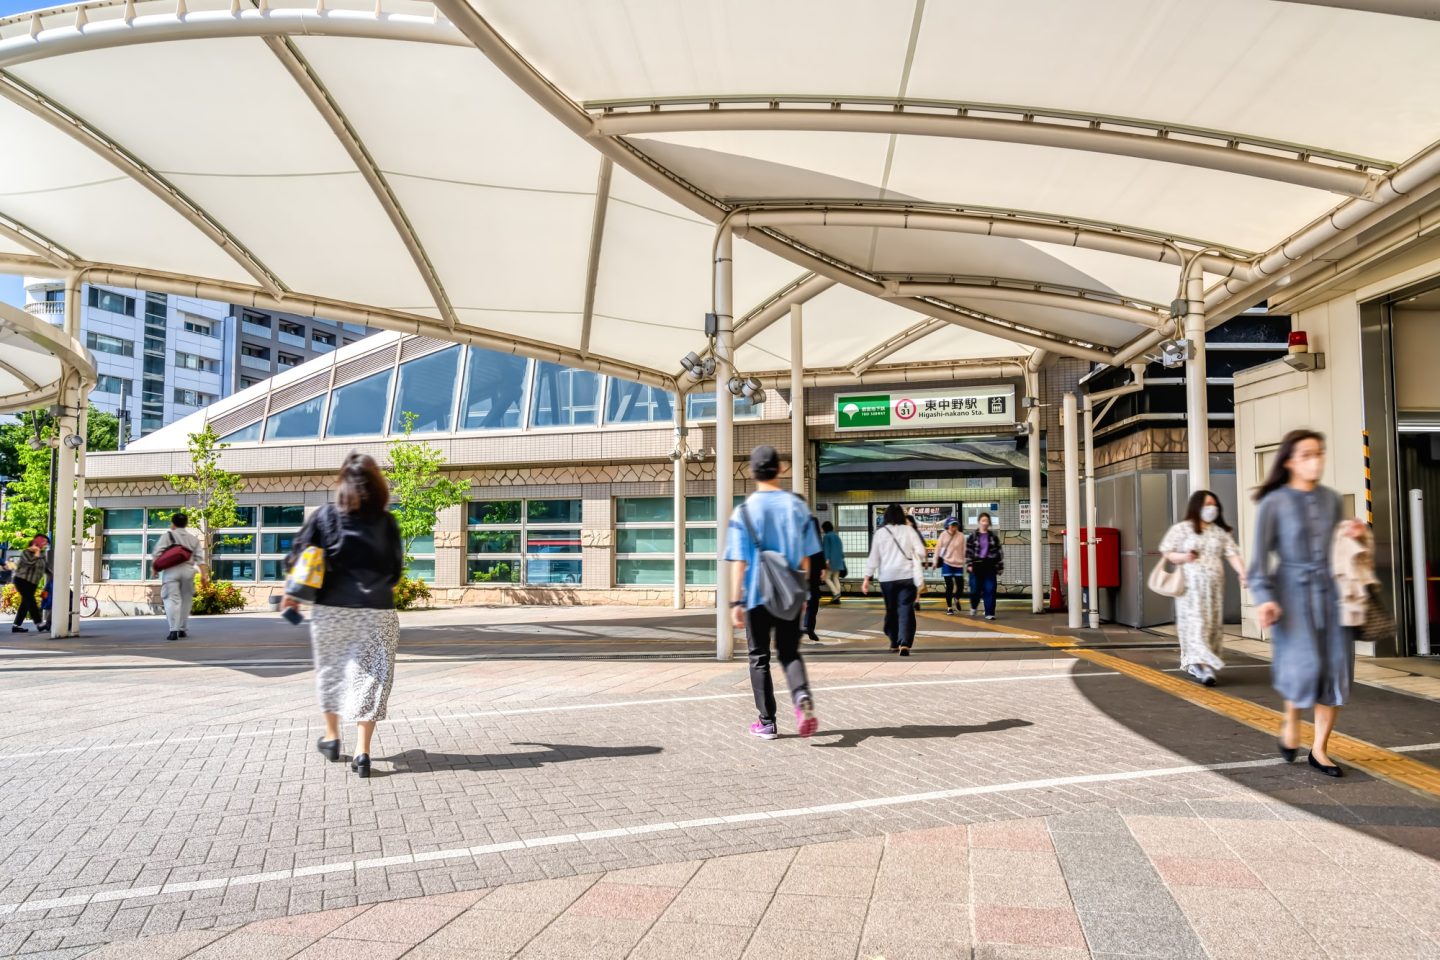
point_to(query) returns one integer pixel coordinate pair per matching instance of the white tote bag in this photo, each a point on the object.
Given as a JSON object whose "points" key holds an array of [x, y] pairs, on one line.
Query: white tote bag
{"points": [[1167, 582]]}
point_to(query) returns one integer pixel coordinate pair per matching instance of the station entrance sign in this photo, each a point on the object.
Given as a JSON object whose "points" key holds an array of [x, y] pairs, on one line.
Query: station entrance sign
{"points": [[961, 407]]}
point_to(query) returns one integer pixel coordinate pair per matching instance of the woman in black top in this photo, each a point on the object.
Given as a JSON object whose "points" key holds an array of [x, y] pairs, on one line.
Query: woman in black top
{"points": [[354, 628]]}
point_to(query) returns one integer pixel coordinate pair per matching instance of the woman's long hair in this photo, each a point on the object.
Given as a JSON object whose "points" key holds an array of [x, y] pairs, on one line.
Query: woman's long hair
{"points": [[1279, 474], [1197, 503], [361, 487], [894, 515]]}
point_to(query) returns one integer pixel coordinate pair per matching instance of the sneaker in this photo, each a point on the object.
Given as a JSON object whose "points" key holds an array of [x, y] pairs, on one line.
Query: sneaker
{"points": [[1197, 672], [805, 717], [19, 630], [989, 617], [1207, 676], [949, 611], [974, 612], [173, 635], [764, 731]]}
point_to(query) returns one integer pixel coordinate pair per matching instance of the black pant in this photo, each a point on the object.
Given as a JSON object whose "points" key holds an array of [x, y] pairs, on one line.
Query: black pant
{"points": [[28, 603], [759, 625], [812, 609], [954, 590], [900, 598]]}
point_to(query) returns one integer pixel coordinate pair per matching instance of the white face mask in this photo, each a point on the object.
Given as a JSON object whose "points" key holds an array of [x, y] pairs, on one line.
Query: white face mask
{"points": [[1209, 513]]}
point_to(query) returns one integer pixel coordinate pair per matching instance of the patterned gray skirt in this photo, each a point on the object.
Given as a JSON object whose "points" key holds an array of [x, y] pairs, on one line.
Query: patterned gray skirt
{"points": [[354, 659]]}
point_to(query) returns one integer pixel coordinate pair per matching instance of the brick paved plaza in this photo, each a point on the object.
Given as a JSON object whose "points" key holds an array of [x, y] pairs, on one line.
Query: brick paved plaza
{"points": [[579, 783]]}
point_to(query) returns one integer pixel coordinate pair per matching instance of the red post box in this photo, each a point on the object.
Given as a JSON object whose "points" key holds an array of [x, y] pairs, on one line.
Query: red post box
{"points": [[1107, 557]]}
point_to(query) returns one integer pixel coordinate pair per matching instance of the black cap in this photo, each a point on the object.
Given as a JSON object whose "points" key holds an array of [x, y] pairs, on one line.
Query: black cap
{"points": [[765, 462]]}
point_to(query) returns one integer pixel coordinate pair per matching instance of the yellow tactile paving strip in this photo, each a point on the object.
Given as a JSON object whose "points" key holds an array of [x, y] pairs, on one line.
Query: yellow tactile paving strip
{"points": [[1375, 760]]}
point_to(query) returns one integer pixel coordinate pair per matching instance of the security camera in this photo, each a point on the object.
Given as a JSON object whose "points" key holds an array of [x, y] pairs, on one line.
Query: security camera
{"points": [[1176, 353], [74, 441]]}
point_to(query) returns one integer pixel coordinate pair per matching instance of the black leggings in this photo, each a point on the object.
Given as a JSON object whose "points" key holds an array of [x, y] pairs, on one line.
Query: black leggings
{"points": [[28, 603], [954, 589]]}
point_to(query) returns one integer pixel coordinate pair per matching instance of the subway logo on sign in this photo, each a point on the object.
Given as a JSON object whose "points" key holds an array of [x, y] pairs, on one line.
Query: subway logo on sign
{"points": [[853, 412]]}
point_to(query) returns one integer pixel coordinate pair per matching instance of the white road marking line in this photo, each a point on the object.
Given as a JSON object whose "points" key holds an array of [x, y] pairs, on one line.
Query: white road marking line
{"points": [[665, 827]]}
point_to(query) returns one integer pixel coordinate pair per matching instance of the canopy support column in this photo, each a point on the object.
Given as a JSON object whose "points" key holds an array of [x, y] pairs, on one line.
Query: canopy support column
{"points": [[62, 619], [1093, 603], [77, 565], [797, 403], [1072, 511], [724, 437], [1197, 409], [1037, 528], [681, 458]]}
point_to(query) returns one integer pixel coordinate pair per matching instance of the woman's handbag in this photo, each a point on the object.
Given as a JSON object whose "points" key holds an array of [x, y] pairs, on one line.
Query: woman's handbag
{"points": [[173, 555], [1167, 583], [1379, 625], [307, 576]]}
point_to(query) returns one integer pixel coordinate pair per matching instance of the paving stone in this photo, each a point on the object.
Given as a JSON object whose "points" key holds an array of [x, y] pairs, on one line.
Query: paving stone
{"points": [[492, 933], [538, 896], [622, 901], [707, 907], [832, 881], [659, 875], [1144, 934], [585, 938], [403, 921], [692, 941], [1027, 926], [843, 915], [336, 948], [917, 920], [174, 946], [1194, 872], [252, 946], [778, 944]]}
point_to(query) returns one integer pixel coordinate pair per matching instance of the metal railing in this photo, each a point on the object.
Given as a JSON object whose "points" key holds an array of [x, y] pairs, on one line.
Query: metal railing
{"points": [[46, 308]]}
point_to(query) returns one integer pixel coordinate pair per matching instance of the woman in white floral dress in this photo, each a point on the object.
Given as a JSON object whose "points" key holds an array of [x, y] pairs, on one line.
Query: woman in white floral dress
{"points": [[1200, 545]]}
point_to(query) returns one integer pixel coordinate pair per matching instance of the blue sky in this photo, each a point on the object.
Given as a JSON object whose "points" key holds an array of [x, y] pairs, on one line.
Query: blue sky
{"points": [[11, 290]]}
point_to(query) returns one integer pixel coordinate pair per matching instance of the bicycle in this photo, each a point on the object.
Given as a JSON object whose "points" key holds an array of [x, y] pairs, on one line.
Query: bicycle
{"points": [[87, 605]]}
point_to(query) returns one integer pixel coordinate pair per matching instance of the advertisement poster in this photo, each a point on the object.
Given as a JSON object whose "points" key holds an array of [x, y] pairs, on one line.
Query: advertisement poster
{"points": [[1025, 513], [929, 519]]}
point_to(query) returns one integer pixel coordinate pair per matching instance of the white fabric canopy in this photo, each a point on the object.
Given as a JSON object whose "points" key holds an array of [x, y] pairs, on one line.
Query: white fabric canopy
{"points": [[36, 359], [546, 176]]}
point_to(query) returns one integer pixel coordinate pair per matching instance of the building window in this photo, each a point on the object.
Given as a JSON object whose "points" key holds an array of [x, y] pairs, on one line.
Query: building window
{"points": [[292, 328], [629, 402], [427, 390], [255, 324], [537, 541], [286, 360], [193, 398], [645, 540], [321, 338], [117, 385], [255, 548], [127, 539], [192, 361], [300, 422], [494, 390], [700, 407], [102, 343], [55, 296], [102, 299], [247, 382], [564, 396], [358, 409], [250, 434], [197, 325]]}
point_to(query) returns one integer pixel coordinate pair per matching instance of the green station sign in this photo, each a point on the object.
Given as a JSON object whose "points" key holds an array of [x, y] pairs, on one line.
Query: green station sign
{"points": [[913, 409]]}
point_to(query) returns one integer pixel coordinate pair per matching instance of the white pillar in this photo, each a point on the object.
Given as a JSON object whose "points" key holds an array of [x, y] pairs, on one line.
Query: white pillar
{"points": [[1037, 529], [1072, 511], [679, 507], [1090, 512], [77, 566], [62, 622], [1197, 409], [724, 438], [797, 402]]}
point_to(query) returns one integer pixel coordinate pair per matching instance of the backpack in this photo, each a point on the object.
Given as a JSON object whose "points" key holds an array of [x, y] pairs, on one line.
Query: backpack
{"points": [[783, 590]]}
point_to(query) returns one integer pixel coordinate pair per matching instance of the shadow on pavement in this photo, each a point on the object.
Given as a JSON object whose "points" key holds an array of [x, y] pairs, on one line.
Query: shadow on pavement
{"points": [[429, 761], [851, 738]]}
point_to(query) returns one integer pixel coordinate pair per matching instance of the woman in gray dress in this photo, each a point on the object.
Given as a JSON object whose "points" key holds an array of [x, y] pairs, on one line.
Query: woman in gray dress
{"points": [[1292, 583]]}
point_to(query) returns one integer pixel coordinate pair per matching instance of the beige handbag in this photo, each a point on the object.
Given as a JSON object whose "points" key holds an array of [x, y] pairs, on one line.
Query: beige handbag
{"points": [[1167, 583]]}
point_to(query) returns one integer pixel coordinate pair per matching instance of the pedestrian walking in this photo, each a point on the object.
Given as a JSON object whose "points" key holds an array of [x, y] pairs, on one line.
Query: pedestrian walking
{"points": [[835, 571], [1200, 545], [771, 535], [354, 628], [984, 561], [177, 559], [950, 561], [897, 560], [33, 565], [914, 525], [816, 573], [1292, 583]]}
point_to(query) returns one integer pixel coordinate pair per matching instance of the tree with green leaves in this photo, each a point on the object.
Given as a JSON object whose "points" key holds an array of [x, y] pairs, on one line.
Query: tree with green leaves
{"points": [[213, 488], [27, 501], [102, 433], [417, 490]]}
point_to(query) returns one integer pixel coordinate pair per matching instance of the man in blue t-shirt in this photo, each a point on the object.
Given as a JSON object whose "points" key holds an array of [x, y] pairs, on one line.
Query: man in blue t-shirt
{"points": [[781, 521]]}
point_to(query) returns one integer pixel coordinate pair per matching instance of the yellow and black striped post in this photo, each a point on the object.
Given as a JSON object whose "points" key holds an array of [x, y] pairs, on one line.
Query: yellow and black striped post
{"points": [[1369, 497]]}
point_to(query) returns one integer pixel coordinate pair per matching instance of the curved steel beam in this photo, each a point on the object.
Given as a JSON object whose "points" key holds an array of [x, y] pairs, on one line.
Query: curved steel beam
{"points": [[1155, 143], [1016, 225], [597, 240], [29, 382], [46, 109], [895, 344], [761, 317], [37, 243], [304, 76], [1042, 296], [47, 41], [1419, 9], [908, 373]]}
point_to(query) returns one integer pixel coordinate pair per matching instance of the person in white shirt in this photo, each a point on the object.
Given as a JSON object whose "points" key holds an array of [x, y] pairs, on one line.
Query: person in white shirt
{"points": [[177, 583], [897, 560]]}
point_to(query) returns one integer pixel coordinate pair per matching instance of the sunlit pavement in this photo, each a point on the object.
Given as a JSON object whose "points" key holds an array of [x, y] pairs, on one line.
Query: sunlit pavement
{"points": [[579, 783]]}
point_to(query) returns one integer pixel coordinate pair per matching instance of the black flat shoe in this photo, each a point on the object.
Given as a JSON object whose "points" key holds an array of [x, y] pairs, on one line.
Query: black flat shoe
{"points": [[361, 766], [1287, 754], [173, 635], [183, 634], [904, 651], [329, 749], [1327, 769]]}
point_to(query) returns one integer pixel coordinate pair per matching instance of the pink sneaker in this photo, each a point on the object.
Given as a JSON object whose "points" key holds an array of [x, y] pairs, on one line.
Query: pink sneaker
{"points": [[765, 731], [805, 717]]}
